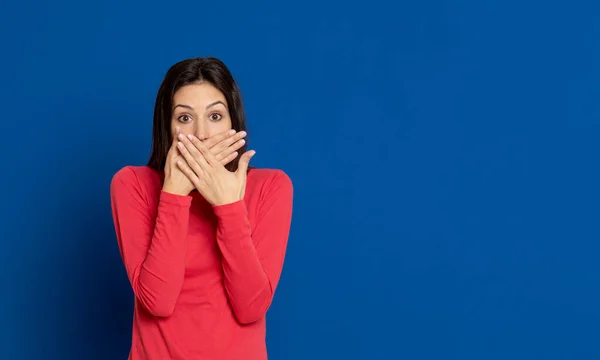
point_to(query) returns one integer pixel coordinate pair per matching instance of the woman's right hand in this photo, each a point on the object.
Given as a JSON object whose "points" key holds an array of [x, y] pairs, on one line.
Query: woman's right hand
{"points": [[176, 182]]}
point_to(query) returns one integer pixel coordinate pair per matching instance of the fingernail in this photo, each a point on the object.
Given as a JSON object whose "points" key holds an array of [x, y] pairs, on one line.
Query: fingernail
{"points": [[242, 133], [180, 144], [190, 136], [231, 132], [180, 136]]}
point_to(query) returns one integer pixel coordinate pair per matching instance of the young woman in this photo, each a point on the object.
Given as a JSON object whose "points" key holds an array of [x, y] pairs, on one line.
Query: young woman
{"points": [[202, 234]]}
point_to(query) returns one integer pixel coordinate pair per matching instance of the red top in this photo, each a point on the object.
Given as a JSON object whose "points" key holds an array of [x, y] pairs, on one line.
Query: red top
{"points": [[203, 276]]}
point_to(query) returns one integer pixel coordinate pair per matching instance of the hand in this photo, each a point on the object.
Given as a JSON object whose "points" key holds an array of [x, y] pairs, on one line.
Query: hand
{"points": [[224, 146], [213, 181], [176, 182]]}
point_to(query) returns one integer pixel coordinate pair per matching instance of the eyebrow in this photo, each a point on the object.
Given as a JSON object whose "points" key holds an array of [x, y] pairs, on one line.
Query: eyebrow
{"points": [[207, 107], [215, 103], [183, 106]]}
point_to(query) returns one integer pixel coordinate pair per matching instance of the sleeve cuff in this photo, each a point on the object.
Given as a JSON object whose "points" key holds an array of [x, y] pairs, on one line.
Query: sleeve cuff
{"points": [[174, 199], [232, 209]]}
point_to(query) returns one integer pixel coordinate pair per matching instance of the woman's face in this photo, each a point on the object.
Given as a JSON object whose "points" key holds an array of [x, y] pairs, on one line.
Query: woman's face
{"points": [[200, 110]]}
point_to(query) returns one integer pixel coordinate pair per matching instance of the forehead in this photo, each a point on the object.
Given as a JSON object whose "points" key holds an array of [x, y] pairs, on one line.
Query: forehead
{"points": [[198, 95]]}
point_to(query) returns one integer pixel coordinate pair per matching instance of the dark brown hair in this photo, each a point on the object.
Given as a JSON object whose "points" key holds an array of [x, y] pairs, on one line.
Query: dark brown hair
{"points": [[193, 71]]}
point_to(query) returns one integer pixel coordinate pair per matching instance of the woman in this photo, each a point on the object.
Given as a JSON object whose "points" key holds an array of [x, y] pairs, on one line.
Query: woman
{"points": [[201, 234]]}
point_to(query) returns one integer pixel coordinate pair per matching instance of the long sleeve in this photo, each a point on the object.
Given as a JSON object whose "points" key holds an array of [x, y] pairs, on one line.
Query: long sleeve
{"points": [[253, 256], [152, 244]]}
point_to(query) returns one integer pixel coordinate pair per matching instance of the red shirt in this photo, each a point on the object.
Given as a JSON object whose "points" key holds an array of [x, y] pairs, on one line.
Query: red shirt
{"points": [[203, 276]]}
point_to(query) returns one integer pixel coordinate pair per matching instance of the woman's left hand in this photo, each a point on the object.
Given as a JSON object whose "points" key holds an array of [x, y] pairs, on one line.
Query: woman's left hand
{"points": [[213, 181]]}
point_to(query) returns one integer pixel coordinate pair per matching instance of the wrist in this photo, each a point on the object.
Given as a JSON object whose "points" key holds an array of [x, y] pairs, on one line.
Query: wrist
{"points": [[174, 190], [229, 212], [226, 202]]}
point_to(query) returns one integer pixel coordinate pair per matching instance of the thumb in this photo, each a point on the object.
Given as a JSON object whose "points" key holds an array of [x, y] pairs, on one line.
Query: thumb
{"points": [[244, 161]]}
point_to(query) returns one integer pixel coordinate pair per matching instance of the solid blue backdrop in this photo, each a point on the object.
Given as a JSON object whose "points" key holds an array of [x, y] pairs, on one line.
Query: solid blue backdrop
{"points": [[444, 156]]}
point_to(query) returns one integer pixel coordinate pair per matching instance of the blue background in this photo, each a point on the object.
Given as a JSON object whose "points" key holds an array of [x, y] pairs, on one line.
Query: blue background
{"points": [[444, 156]]}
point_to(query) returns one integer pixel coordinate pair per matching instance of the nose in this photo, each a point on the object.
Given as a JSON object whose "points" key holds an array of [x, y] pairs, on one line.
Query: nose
{"points": [[201, 132]]}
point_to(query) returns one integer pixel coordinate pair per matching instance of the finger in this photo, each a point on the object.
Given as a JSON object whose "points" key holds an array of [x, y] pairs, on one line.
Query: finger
{"points": [[212, 141], [198, 165], [244, 162], [226, 143], [229, 158], [196, 153], [233, 147], [194, 142], [229, 150], [187, 171]]}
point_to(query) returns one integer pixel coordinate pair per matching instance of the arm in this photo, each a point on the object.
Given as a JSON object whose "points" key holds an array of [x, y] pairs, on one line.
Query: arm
{"points": [[253, 259], [153, 249]]}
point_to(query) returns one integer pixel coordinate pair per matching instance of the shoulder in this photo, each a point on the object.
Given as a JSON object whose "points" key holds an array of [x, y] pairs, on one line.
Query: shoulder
{"points": [[130, 177], [268, 186], [269, 178]]}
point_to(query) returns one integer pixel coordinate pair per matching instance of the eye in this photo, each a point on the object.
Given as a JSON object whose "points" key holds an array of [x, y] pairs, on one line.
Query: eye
{"points": [[215, 117], [184, 119]]}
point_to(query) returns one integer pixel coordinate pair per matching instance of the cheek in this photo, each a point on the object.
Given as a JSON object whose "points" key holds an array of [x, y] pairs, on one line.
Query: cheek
{"points": [[219, 127], [174, 125], [226, 124], [182, 127]]}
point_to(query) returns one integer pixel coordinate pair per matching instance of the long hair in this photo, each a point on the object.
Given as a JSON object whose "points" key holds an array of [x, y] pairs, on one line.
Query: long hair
{"points": [[190, 71]]}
